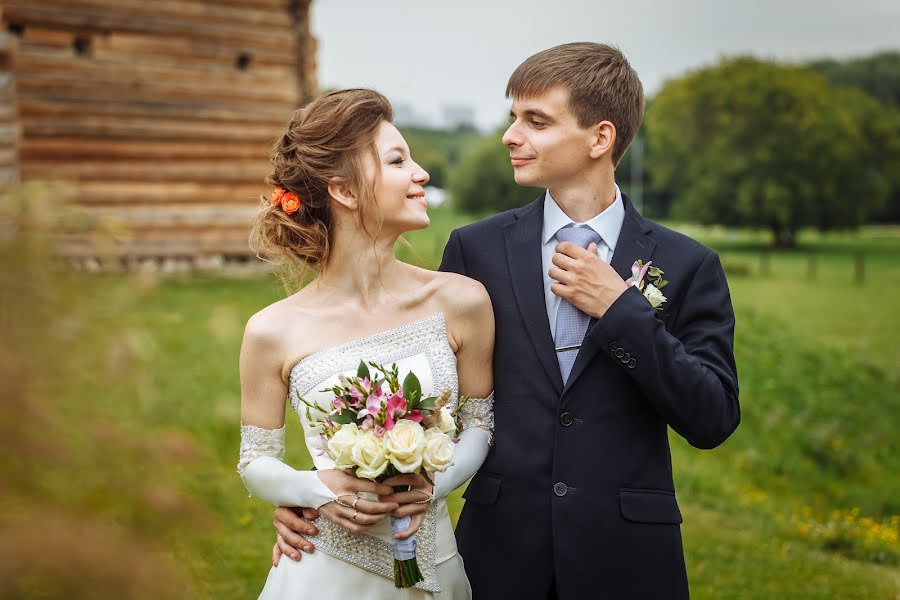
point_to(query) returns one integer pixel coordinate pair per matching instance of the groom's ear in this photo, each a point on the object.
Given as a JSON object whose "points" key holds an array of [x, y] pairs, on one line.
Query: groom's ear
{"points": [[341, 191], [603, 138]]}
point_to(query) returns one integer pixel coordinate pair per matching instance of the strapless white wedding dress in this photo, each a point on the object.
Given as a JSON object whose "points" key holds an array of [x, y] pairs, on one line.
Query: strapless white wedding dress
{"points": [[360, 566]]}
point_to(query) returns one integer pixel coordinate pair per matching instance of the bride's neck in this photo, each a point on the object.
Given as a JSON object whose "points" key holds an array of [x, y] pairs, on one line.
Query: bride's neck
{"points": [[360, 271]]}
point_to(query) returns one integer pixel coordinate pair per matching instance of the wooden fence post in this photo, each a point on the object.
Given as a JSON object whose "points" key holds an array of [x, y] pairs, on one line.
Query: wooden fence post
{"points": [[764, 263]]}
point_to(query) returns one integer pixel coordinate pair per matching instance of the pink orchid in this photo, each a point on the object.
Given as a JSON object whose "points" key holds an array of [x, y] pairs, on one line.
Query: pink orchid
{"points": [[355, 391], [396, 408], [379, 430], [415, 415], [368, 423], [373, 405], [637, 274]]}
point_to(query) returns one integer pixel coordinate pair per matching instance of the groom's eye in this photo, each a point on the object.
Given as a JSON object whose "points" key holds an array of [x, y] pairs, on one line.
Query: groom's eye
{"points": [[538, 123]]}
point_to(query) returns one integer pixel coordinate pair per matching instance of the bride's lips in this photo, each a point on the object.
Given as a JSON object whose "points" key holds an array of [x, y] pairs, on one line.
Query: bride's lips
{"points": [[420, 198]]}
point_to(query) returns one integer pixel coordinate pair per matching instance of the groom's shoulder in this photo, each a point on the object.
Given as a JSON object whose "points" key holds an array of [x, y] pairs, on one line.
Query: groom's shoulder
{"points": [[494, 223]]}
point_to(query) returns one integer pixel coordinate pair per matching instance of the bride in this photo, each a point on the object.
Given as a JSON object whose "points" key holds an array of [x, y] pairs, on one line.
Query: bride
{"points": [[346, 188]]}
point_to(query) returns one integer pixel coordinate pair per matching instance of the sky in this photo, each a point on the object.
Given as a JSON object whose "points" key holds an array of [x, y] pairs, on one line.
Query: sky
{"points": [[430, 53]]}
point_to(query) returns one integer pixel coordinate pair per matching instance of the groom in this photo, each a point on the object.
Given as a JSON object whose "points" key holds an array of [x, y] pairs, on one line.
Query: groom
{"points": [[576, 499]]}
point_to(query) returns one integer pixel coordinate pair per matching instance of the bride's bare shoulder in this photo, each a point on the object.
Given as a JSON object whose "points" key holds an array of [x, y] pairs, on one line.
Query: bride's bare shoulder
{"points": [[273, 324], [461, 295]]}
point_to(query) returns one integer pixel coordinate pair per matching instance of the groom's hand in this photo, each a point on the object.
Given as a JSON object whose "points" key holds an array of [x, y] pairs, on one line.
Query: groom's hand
{"points": [[289, 526], [587, 282]]}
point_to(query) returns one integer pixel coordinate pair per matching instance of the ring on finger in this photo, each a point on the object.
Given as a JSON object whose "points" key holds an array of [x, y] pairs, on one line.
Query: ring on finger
{"points": [[355, 512], [354, 502]]}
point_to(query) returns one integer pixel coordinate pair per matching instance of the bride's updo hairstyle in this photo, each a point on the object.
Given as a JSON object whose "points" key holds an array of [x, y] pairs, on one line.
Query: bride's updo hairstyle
{"points": [[327, 138]]}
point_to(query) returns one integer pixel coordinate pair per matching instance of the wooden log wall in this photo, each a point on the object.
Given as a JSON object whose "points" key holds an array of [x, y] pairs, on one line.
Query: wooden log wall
{"points": [[157, 114], [9, 126]]}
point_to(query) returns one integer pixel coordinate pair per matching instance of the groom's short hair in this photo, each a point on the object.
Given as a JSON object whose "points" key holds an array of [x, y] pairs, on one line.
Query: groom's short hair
{"points": [[602, 86]]}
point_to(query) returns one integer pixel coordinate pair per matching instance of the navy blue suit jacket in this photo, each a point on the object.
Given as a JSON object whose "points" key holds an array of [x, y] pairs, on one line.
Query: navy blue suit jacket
{"points": [[577, 492]]}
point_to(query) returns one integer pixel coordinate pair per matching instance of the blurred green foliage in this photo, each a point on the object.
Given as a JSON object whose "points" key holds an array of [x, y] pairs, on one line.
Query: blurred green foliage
{"points": [[754, 143], [483, 181]]}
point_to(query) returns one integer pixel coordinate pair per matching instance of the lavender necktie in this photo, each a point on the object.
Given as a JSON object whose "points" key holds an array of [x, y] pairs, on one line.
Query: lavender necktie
{"points": [[571, 323]]}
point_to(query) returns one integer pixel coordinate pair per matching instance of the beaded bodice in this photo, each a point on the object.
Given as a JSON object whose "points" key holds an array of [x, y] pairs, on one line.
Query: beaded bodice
{"points": [[423, 348]]}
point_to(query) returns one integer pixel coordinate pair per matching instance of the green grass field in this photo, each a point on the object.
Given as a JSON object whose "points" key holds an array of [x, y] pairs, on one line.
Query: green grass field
{"points": [[801, 502]]}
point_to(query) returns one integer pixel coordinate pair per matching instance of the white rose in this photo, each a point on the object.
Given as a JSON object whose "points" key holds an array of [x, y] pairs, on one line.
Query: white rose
{"points": [[369, 455], [446, 422], [438, 453], [340, 446], [405, 443], [655, 296]]}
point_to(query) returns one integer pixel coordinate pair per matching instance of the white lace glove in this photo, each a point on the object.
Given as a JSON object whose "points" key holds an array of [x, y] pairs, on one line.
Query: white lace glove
{"points": [[266, 476], [477, 418]]}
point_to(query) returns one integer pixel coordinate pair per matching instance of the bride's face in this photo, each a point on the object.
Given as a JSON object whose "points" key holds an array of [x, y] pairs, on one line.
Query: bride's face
{"points": [[399, 186]]}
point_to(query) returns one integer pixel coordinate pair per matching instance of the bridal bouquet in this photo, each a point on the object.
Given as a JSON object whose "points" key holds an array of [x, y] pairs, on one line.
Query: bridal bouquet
{"points": [[381, 432]]}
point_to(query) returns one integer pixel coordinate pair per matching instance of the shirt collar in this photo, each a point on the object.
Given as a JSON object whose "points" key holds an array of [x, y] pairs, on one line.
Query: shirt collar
{"points": [[608, 223]]}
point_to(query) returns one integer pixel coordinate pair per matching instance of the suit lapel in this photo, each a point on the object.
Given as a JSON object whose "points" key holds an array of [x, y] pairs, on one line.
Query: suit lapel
{"points": [[633, 244], [523, 251]]}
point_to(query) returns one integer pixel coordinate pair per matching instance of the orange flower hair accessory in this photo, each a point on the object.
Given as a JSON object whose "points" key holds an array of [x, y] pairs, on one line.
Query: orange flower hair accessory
{"points": [[289, 201]]}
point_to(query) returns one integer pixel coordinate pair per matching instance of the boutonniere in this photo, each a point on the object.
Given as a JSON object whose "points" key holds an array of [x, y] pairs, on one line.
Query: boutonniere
{"points": [[654, 283]]}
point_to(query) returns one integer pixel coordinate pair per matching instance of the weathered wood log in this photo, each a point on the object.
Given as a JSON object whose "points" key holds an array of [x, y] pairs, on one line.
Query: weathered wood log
{"points": [[110, 192], [55, 13], [148, 129], [148, 171], [126, 46], [67, 108], [212, 13], [32, 85], [38, 65], [158, 217], [108, 149], [151, 46]]}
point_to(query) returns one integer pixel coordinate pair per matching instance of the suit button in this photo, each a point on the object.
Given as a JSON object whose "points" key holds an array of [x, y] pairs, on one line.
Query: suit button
{"points": [[619, 353], [613, 346], [632, 363], [626, 358], [566, 419], [560, 489]]}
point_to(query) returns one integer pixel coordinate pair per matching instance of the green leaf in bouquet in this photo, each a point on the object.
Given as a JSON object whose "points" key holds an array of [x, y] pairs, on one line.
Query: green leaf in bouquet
{"points": [[662, 284], [412, 389], [655, 272], [427, 403], [362, 371], [342, 418]]}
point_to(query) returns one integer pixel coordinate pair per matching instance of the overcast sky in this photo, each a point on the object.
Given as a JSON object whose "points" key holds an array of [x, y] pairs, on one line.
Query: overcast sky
{"points": [[430, 53]]}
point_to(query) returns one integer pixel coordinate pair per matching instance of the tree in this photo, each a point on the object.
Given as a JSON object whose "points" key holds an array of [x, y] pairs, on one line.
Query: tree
{"points": [[748, 142], [879, 76], [483, 180]]}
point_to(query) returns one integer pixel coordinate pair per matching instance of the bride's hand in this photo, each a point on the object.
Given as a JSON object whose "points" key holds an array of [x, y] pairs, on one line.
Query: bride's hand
{"points": [[355, 514], [413, 503]]}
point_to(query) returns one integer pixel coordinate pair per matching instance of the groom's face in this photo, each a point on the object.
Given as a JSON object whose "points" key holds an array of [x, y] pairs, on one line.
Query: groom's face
{"points": [[547, 147]]}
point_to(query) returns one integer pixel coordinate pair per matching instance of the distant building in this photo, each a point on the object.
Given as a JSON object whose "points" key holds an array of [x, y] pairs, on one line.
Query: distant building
{"points": [[458, 116], [405, 115]]}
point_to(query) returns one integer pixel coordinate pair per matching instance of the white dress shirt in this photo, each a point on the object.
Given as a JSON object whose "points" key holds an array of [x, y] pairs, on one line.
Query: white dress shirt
{"points": [[608, 224]]}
